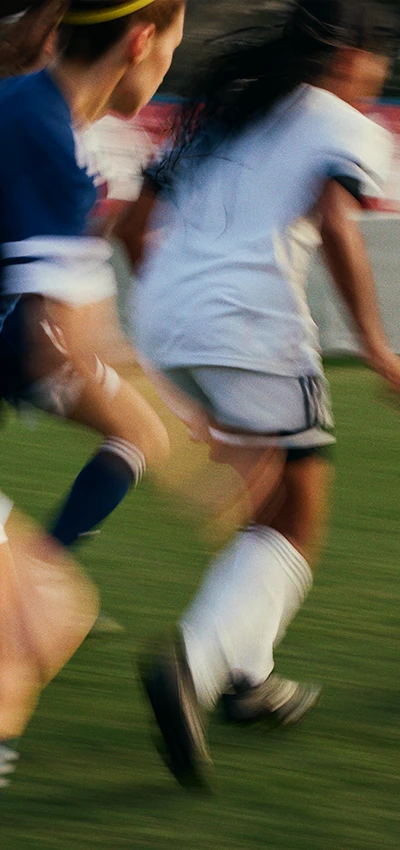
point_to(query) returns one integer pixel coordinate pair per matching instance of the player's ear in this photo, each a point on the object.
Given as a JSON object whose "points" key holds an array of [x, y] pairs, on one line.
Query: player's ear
{"points": [[348, 62], [140, 40], [343, 62]]}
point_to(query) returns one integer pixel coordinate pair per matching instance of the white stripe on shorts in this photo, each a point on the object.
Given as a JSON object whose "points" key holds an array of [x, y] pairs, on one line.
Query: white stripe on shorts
{"points": [[309, 439]]}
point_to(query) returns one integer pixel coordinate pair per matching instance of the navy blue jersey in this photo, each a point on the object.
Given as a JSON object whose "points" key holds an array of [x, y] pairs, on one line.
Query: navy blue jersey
{"points": [[46, 195], [43, 189]]}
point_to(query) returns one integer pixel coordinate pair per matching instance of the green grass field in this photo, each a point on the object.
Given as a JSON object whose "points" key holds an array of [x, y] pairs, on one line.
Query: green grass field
{"points": [[89, 777]]}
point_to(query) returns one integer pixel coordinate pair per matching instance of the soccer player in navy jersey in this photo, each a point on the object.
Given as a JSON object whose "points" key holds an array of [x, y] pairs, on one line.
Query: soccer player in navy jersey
{"points": [[109, 55], [54, 271], [46, 606]]}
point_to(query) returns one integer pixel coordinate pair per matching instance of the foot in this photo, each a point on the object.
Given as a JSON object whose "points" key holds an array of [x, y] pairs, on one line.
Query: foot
{"points": [[8, 760], [279, 700], [169, 686]]}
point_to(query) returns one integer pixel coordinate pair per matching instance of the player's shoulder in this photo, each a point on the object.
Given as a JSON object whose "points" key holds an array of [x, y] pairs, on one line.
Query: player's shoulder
{"points": [[19, 94], [338, 117], [30, 105]]}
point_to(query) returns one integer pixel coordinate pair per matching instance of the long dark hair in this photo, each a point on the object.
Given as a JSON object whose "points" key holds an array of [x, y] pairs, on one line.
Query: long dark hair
{"points": [[260, 66]]}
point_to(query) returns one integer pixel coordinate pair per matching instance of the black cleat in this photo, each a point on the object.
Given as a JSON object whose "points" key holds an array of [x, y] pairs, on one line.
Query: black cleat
{"points": [[277, 700], [169, 686]]}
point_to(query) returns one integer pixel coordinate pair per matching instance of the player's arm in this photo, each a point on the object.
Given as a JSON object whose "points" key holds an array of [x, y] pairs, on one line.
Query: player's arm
{"points": [[49, 253], [346, 256]]}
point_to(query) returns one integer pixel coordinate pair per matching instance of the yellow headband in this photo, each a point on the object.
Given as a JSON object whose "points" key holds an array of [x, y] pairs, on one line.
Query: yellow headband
{"points": [[80, 18]]}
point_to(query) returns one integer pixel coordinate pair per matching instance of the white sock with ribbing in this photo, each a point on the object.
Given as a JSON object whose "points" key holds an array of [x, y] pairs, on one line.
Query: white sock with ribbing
{"points": [[252, 592]]}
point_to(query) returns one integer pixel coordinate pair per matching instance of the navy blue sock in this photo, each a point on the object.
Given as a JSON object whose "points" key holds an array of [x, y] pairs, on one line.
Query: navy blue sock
{"points": [[101, 485]]}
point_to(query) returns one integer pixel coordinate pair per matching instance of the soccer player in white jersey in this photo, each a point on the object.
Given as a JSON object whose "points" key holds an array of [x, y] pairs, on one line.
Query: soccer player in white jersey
{"points": [[220, 312]]}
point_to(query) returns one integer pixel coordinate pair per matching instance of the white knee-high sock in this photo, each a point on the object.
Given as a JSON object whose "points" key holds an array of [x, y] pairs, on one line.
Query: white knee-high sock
{"points": [[241, 612]]}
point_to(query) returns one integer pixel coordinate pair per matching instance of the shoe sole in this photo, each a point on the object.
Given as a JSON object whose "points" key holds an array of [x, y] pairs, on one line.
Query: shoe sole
{"points": [[182, 747]]}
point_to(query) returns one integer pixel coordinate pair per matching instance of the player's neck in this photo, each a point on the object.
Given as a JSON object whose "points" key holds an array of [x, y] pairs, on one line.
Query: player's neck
{"points": [[356, 75], [87, 89], [341, 88]]}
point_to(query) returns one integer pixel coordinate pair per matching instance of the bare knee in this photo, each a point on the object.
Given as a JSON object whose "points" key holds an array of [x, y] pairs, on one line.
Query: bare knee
{"points": [[154, 442], [301, 511], [111, 406], [135, 421]]}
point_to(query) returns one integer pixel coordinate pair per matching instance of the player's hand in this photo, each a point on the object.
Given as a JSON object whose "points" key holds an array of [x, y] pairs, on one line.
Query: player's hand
{"points": [[386, 364]]}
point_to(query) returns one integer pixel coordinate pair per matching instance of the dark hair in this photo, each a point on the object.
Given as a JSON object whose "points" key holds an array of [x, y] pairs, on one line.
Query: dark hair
{"points": [[259, 66], [24, 29], [88, 43], [9, 8]]}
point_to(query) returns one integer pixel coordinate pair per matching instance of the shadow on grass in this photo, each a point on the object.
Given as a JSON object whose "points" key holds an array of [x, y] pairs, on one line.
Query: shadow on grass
{"points": [[90, 804]]}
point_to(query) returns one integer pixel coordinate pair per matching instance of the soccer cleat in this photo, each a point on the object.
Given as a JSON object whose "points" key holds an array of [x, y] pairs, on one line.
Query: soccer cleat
{"points": [[105, 627], [8, 759], [169, 686], [277, 700]]}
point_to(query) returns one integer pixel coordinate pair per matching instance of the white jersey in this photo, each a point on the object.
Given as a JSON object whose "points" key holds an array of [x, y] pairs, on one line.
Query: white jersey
{"points": [[225, 286]]}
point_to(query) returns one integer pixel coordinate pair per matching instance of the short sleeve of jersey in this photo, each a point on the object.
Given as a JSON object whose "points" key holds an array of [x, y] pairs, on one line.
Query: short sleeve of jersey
{"points": [[44, 192], [358, 151], [121, 150]]}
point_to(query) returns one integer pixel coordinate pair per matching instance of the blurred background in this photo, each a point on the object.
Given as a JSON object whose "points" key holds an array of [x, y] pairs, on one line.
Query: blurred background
{"points": [[89, 776], [208, 19]]}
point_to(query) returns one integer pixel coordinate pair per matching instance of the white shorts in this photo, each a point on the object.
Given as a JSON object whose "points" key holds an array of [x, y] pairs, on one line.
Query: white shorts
{"points": [[257, 409]]}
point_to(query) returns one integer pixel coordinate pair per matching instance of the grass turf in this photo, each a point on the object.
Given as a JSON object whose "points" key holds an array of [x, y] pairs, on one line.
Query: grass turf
{"points": [[89, 777]]}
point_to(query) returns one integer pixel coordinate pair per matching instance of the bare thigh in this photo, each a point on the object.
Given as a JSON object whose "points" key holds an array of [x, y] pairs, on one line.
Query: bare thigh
{"points": [[84, 390], [291, 497], [126, 415]]}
